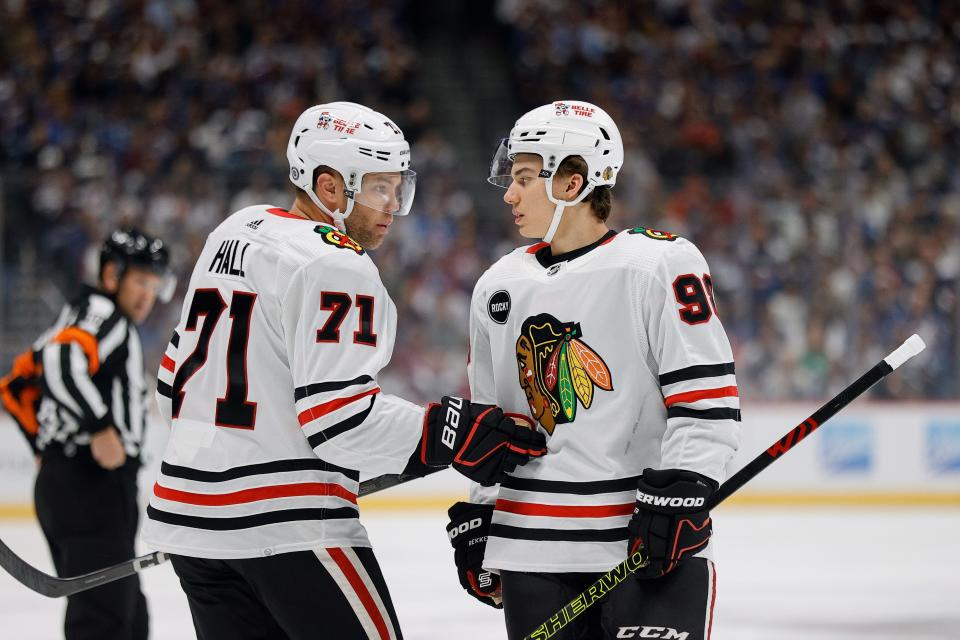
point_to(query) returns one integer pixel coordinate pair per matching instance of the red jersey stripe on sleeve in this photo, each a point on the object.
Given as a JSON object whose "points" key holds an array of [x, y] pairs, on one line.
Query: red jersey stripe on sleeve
{"points": [[168, 363], [321, 410], [701, 394]]}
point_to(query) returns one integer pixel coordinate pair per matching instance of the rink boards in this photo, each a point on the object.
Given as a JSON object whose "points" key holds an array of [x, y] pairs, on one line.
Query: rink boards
{"points": [[873, 453]]}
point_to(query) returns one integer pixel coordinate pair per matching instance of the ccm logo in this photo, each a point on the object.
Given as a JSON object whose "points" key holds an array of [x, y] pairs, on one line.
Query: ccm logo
{"points": [[464, 527], [666, 501], [449, 435], [652, 632]]}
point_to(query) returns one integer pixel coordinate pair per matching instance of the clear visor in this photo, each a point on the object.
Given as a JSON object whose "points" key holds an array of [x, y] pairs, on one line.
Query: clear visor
{"points": [[168, 287], [501, 167], [388, 192], [163, 282]]}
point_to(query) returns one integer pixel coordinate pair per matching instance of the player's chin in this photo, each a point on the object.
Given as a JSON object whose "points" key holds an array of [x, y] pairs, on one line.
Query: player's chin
{"points": [[375, 239], [530, 231]]}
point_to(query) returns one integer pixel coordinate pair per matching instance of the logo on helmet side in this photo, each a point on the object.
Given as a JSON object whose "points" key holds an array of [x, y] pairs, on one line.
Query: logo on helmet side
{"points": [[294, 173], [564, 109], [325, 120]]}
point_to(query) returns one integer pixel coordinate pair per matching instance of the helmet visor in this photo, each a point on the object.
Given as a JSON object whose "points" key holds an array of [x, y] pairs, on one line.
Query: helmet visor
{"points": [[388, 192], [168, 287], [501, 166]]}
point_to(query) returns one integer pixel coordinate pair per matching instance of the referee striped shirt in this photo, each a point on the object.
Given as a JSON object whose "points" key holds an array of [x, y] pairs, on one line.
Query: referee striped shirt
{"points": [[92, 365]]}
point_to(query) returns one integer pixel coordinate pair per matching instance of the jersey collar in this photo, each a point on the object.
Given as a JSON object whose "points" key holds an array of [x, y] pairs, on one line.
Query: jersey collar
{"points": [[546, 258]]}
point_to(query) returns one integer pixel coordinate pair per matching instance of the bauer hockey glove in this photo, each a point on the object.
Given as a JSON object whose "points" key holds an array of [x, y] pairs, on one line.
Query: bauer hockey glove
{"points": [[670, 519], [468, 528], [478, 440]]}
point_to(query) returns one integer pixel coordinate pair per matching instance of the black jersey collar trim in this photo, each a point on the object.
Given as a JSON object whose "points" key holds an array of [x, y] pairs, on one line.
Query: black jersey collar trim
{"points": [[546, 258]]}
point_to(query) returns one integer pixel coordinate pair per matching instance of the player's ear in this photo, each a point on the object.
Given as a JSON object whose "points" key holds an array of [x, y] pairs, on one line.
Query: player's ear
{"points": [[329, 188], [568, 186], [109, 281]]}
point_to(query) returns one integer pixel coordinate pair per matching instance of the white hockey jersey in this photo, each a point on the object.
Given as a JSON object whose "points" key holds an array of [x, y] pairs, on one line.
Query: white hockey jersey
{"points": [[617, 352], [270, 382]]}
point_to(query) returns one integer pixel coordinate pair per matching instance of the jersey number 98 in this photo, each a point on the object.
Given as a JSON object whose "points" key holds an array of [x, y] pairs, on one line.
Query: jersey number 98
{"points": [[696, 296]]}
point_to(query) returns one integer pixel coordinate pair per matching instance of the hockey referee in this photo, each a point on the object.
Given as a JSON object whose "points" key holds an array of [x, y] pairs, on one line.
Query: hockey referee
{"points": [[79, 395]]}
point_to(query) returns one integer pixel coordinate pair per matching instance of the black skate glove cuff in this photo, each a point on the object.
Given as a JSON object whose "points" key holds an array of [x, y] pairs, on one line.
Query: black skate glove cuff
{"points": [[468, 521], [467, 530], [671, 519]]}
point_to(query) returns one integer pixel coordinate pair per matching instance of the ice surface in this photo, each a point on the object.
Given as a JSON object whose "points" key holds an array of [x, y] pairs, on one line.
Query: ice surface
{"points": [[827, 574]]}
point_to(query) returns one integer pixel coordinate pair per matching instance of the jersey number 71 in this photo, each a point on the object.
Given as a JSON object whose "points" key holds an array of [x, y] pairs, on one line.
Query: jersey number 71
{"points": [[233, 409]]}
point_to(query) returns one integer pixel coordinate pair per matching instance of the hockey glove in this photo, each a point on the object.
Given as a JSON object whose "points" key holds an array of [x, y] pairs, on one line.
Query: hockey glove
{"points": [[670, 520], [469, 524], [478, 440]]}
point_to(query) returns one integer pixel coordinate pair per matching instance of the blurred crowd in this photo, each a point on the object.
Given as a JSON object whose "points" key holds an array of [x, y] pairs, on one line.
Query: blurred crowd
{"points": [[809, 151]]}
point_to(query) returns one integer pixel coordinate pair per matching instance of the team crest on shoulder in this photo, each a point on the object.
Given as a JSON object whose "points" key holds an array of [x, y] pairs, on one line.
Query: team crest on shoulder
{"points": [[653, 233], [558, 369], [340, 240]]}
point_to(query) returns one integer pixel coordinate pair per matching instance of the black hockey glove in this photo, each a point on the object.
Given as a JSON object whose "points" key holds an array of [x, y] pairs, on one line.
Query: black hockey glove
{"points": [[478, 440], [469, 524], [670, 520]]}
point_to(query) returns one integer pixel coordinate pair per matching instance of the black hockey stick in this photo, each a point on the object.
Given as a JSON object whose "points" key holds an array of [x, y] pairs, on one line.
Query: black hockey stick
{"points": [[54, 587], [608, 581]]}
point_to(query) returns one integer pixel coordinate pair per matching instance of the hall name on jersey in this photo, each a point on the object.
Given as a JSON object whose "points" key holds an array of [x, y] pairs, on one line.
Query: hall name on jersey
{"points": [[229, 259]]}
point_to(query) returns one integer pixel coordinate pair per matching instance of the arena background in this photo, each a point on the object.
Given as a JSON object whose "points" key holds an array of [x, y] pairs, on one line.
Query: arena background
{"points": [[810, 149]]}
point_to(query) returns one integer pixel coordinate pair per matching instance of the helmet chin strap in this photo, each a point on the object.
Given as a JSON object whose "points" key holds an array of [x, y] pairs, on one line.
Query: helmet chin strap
{"points": [[338, 216], [554, 222], [560, 206]]}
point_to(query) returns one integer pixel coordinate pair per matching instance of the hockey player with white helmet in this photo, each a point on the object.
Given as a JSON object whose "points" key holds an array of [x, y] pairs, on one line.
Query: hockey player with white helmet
{"points": [[367, 150], [611, 343], [270, 386]]}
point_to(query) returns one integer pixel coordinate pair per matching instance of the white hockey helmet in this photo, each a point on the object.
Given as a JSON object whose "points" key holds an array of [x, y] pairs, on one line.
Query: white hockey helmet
{"points": [[555, 132], [364, 146]]}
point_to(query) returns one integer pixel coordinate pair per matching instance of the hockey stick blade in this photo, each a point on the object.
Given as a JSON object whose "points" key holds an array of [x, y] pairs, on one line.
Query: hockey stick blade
{"points": [[54, 587], [608, 581]]}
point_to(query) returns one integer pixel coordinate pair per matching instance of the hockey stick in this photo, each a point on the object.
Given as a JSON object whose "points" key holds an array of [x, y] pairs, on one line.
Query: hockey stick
{"points": [[608, 581], [54, 587]]}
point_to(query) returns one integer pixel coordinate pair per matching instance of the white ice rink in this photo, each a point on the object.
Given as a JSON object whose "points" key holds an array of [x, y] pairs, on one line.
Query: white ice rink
{"points": [[825, 574]]}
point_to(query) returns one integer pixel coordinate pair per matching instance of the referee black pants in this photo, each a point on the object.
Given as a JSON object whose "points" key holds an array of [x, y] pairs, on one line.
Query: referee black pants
{"points": [[336, 593], [89, 517]]}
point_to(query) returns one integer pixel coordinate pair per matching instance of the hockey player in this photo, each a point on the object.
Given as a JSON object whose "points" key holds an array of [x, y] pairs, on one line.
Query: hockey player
{"points": [[270, 383], [612, 343], [79, 395]]}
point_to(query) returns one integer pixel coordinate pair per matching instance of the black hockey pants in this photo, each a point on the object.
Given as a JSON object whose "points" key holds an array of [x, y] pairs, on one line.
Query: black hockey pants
{"points": [[89, 517], [337, 592], [678, 605]]}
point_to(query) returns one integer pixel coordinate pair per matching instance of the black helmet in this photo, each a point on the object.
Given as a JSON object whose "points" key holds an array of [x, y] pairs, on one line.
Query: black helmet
{"points": [[130, 247]]}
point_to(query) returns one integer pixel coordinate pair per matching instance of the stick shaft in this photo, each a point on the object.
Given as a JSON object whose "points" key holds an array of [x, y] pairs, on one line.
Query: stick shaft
{"points": [[799, 432], [618, 574]]}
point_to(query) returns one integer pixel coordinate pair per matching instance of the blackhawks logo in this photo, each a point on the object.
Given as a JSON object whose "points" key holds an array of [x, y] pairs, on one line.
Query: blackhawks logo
{"points": [[653, 233], [558, 369], [337, 239]]}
